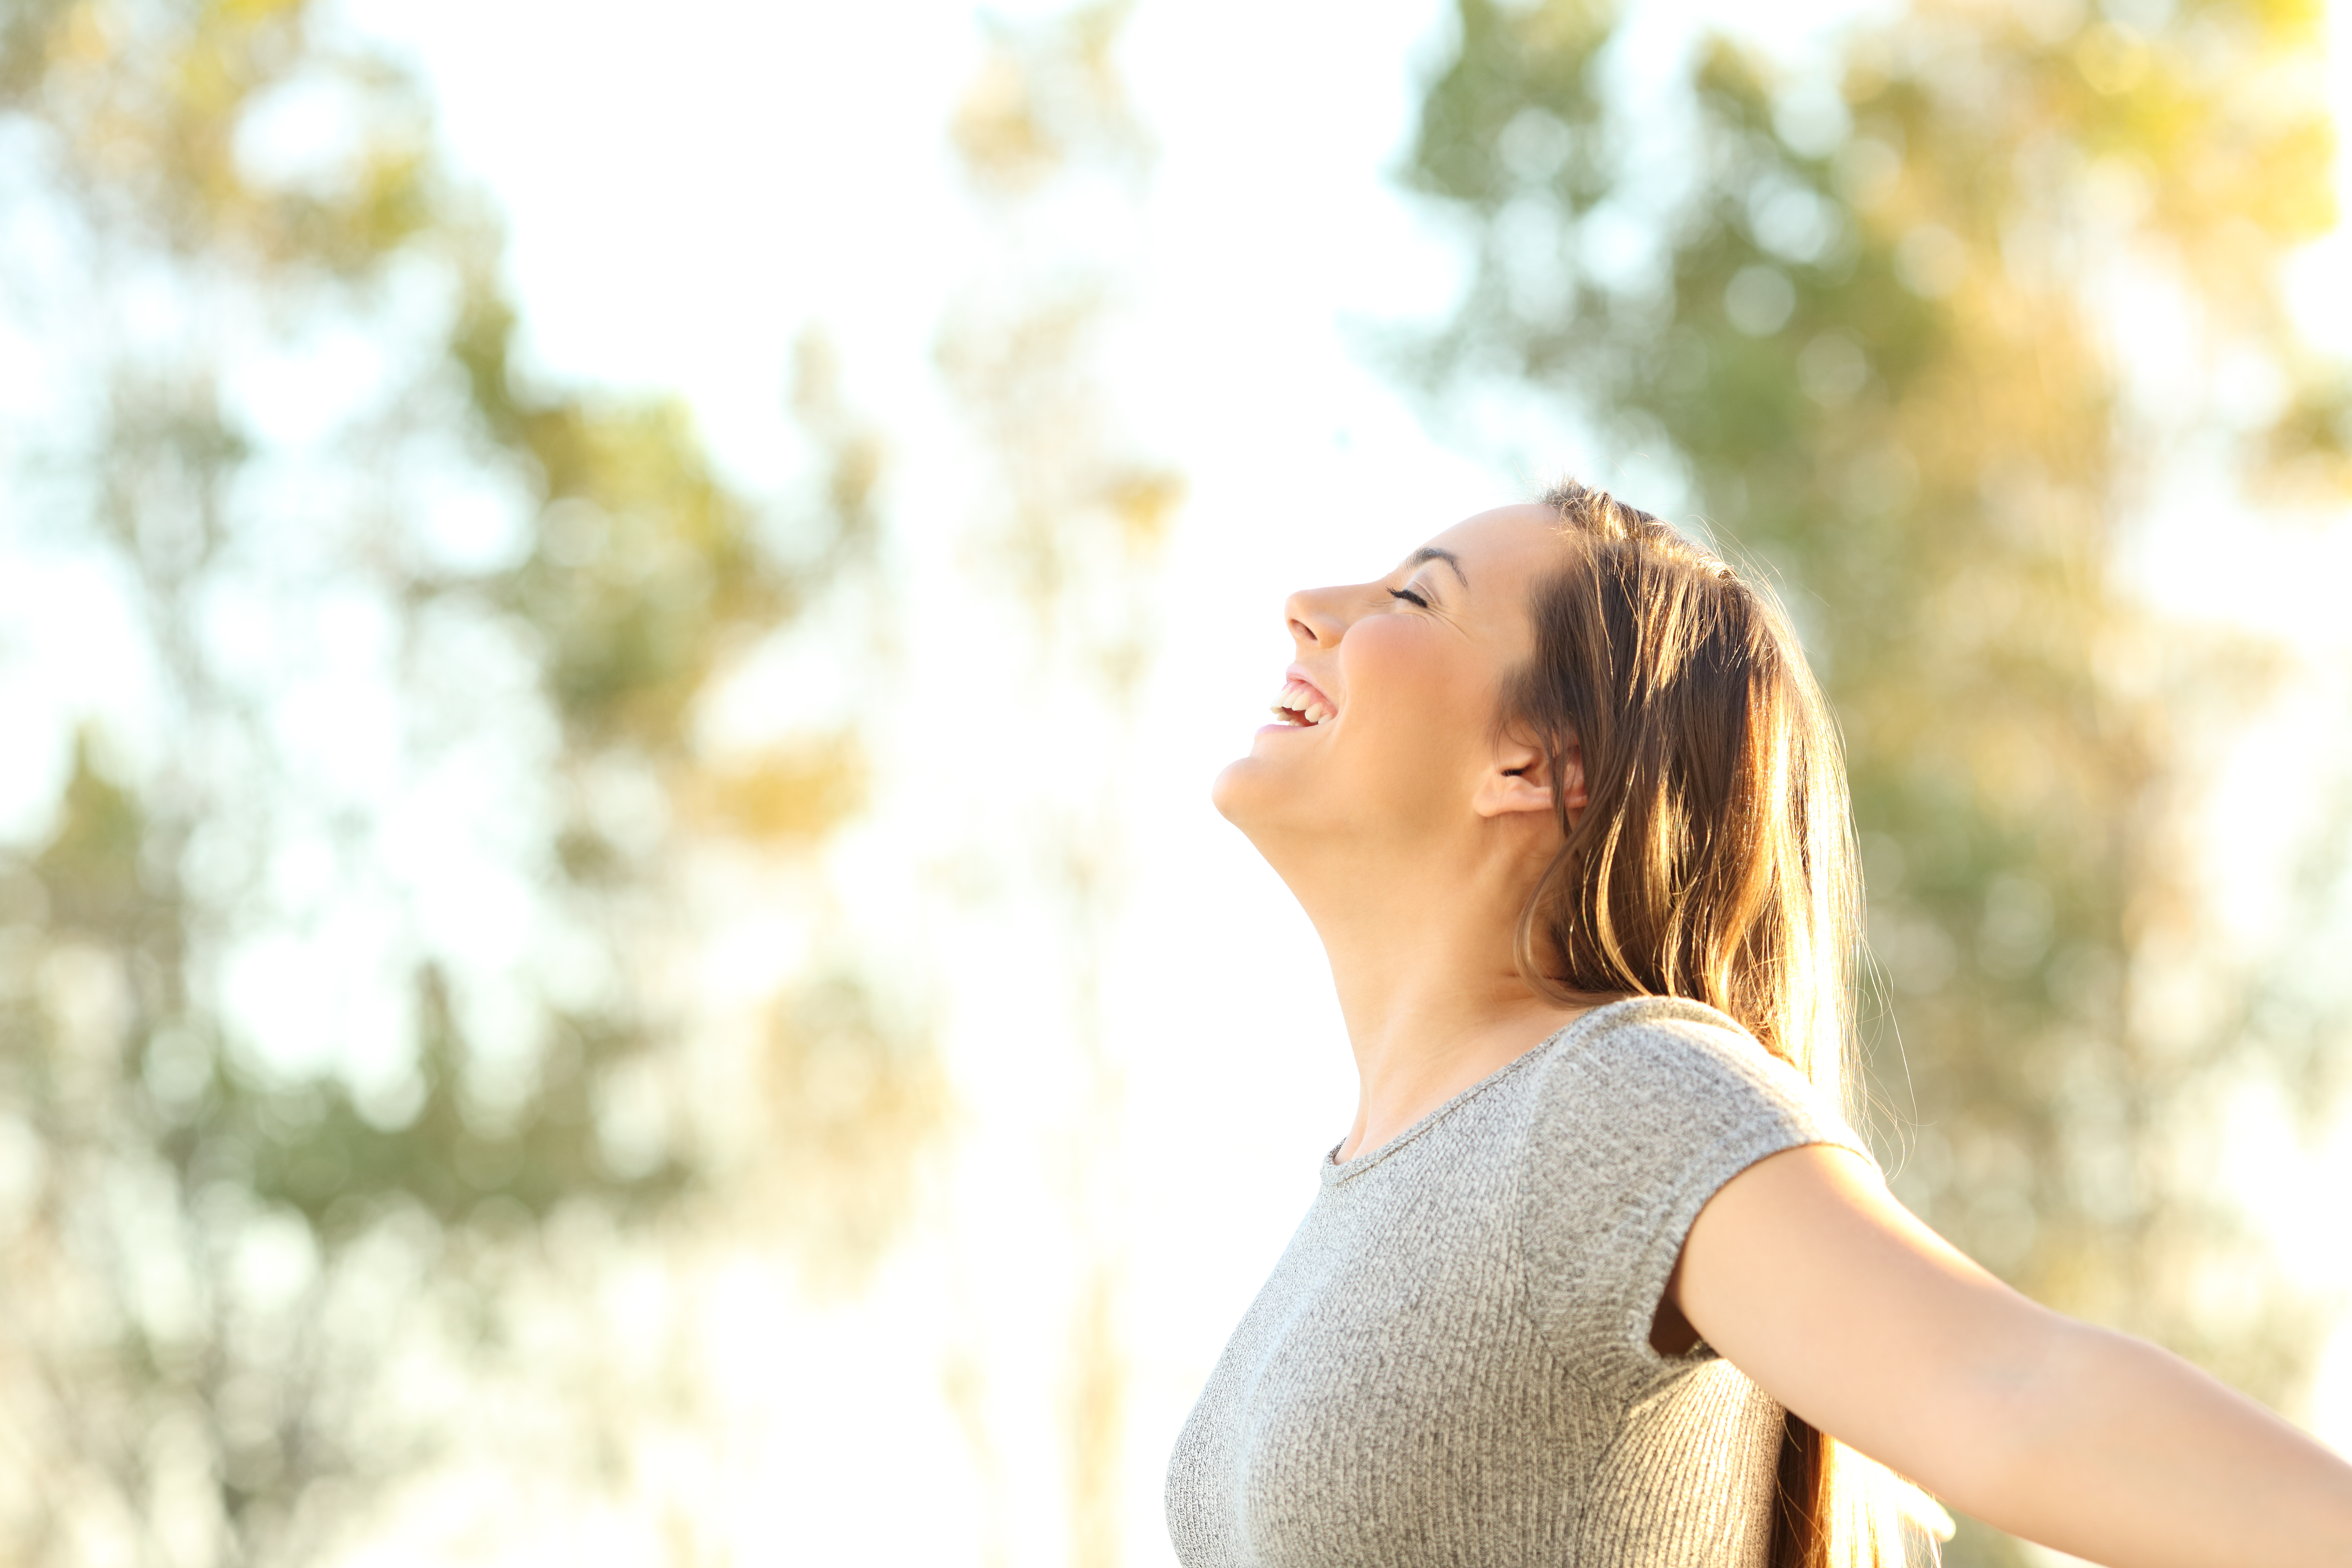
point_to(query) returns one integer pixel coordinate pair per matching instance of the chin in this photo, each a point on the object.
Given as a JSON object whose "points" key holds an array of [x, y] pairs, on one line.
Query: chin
{"points": [[1261, 797], [1231, 790]]}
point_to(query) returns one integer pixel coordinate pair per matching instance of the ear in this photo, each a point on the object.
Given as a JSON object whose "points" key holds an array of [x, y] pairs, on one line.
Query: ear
{"points": [[1520, 778]]}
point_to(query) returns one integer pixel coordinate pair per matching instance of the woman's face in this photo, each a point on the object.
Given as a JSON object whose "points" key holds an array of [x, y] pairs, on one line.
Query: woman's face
{"points": [[1384, 723]]}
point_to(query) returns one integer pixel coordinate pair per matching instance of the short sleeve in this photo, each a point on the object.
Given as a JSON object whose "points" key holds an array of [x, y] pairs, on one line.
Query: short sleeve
{"points": [[1639, 1120]]}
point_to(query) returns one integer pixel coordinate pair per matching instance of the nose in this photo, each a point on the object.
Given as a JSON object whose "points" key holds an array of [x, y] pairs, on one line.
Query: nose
{"points": [[1315, 619]]}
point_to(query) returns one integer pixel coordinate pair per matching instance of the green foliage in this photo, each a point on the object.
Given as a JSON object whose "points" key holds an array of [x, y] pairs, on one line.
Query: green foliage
{"points": [[1863, 316], [223, 1264]]}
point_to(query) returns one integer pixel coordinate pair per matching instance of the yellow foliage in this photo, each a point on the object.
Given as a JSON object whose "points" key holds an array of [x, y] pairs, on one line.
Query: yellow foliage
{"points": [[850, 1100], [788, 797], [997, 128], [1144, 499], [1043, 99]]}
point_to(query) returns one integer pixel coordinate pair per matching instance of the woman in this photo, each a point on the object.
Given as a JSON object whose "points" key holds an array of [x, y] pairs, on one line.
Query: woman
{"points": [[1600, 1262]]}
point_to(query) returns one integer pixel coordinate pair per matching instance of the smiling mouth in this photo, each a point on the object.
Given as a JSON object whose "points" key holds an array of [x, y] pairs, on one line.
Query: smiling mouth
{"points": [[1302, 707]]}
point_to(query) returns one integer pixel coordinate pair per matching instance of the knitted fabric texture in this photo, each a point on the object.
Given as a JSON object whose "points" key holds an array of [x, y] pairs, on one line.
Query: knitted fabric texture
{"points": [[1452, 1363]]}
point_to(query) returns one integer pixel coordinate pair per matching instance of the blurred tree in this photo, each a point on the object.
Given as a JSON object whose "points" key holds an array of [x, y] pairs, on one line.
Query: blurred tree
{"points": [[1054, 159], [1887, 319], [422, 649]]}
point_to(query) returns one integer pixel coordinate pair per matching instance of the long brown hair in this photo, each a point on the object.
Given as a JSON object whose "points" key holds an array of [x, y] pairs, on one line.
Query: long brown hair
{"points": [[1714, 859]]}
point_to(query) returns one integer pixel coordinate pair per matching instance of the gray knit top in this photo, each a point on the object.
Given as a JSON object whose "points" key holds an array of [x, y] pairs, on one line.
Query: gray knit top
{"points": [[1452, 1362]]}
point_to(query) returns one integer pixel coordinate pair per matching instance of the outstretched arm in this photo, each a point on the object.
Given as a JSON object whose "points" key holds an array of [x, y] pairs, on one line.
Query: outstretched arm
{"points": [[1806, 1274]]}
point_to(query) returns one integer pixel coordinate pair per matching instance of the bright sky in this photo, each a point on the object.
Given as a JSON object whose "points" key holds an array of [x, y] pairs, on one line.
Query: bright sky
{"points": [[684, 196]]}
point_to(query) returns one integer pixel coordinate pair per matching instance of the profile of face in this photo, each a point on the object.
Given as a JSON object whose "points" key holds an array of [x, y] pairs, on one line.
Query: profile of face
{"points": [[1384, 737]]}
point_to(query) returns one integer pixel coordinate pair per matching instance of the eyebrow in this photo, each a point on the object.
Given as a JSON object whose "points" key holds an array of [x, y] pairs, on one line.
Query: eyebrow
{"points": [[1431, 552]]}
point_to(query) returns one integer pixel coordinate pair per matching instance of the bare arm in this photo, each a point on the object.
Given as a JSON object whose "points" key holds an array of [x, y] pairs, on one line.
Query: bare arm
{"points": [[1806, 1274]]}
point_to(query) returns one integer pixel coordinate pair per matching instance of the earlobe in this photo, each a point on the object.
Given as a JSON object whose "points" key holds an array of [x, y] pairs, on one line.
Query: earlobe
{"points": [[1512, 790]]}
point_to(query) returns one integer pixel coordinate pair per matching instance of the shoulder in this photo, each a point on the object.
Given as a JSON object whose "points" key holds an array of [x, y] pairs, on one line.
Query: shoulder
{"points": [[1656, 1082], [1671, 1045]]}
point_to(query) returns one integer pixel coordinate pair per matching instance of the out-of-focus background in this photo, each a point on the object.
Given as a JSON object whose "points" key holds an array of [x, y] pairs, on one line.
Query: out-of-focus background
{"points": [[615, 622]]}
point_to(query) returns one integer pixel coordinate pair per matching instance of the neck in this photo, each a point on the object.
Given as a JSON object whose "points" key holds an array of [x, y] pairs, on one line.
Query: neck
{"points": [[1432, 997]]}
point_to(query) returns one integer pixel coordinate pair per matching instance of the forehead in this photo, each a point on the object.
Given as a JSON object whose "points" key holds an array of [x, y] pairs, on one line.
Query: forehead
{"points": [[1503, 548]]}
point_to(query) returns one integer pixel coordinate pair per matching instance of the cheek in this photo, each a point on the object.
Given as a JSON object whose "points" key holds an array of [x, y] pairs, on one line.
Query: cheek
{"points": [[1422, 703]]}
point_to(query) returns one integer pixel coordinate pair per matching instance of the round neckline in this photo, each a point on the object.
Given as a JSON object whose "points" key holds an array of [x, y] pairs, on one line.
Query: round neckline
{"points": [[1335, 1171]]}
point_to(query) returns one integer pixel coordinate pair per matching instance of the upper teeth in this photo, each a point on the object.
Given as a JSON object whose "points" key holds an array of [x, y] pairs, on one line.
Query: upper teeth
{"points": [[1300, 702]]}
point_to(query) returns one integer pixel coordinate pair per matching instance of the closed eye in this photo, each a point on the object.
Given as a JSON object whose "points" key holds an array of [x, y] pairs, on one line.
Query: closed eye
{"points": [[1409, 596]]}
